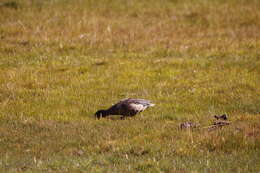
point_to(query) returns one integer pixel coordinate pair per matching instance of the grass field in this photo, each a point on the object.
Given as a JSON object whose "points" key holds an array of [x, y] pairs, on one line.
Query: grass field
{"points": [[62, 60]]}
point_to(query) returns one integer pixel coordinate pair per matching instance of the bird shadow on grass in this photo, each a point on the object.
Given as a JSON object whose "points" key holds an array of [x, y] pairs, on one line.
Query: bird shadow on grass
{"points": [[115, 118], [10, 4], [111, 117], [100, 63]]}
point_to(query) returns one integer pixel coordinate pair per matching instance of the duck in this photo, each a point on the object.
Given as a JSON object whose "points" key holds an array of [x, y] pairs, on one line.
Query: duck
{"points": [[127, 108]]}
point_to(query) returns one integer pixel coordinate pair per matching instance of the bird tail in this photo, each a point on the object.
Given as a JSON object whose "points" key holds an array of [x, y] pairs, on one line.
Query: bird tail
{"points": [[152, 104]]}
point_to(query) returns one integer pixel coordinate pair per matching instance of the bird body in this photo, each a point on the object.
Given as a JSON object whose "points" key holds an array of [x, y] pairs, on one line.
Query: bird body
{"points": [[126, 107]]}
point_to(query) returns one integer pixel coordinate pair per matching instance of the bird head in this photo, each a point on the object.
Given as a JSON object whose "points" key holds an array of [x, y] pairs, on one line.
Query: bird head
{"points": [[100, 114]]}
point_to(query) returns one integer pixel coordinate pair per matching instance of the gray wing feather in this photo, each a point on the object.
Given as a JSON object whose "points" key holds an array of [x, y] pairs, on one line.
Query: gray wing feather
{"points": [[140, 101], [129, 106]]}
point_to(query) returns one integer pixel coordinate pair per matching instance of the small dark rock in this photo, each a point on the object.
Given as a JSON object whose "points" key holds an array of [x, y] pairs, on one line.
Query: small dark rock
{"points": [[79, 152], [218, 124], [221, 117], [221, 123], [187, 125]]}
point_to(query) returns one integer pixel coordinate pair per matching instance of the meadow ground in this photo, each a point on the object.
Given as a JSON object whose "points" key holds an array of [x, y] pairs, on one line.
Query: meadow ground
{"points": [[62, 60]]}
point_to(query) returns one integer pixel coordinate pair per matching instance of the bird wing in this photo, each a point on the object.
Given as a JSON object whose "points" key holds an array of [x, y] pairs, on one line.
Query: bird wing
{"points": [[146, 103], [129, 106], [119, 108], [137, 107]]}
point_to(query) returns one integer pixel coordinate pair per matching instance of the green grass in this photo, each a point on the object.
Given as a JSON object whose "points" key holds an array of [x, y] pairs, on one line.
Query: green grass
{"points": [[60, 61]]}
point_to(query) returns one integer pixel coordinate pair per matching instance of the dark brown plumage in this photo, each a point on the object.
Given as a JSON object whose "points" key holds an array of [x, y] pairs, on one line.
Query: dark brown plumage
{"points": [[126, 107]]}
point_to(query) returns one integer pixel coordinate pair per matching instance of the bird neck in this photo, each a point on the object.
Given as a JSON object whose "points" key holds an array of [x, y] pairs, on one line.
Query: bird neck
{"points": [[105, 112]]}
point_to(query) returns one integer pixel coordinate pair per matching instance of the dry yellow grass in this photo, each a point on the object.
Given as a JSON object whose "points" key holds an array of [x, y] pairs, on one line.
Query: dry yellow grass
{"points": [[62, 60]]}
